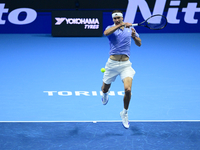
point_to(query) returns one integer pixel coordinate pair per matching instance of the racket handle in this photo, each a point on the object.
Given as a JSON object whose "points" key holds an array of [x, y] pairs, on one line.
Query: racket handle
{"points": [[135, 24]]}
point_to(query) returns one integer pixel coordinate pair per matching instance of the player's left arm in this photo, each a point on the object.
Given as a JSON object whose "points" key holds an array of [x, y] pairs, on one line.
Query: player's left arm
{"points": [[135, 38]]}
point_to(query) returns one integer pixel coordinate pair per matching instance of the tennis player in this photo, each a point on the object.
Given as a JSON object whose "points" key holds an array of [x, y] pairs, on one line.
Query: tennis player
{"points": [[119, 35]]}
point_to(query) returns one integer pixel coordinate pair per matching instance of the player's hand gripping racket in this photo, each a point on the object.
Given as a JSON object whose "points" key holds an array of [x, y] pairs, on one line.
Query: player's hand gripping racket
{"points": [[155, 22]]}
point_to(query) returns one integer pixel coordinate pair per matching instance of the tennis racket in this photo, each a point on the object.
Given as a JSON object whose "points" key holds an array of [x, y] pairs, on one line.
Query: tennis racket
{"points": [[155, 22]]}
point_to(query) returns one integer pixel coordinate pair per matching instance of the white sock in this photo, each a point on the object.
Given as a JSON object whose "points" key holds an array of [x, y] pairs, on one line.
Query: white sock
{"points": [[105, 94], [125, 111]]}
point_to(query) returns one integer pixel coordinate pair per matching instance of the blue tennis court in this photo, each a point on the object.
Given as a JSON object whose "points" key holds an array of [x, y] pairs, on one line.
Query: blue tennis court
{"points": [[50, 93]]}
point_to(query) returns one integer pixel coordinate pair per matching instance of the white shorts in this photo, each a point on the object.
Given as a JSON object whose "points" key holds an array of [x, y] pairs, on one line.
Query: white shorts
{"points": [[115, 68]]}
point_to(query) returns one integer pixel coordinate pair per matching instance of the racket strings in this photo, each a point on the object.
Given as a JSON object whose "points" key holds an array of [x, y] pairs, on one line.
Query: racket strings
{"points": [[156, 22]]}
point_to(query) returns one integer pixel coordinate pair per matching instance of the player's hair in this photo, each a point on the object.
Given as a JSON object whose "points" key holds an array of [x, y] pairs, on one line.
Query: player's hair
{"points": [[117, 11]]}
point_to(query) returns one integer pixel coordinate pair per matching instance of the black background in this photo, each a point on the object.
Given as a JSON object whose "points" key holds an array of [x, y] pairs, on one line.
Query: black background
{"points": [[50, 5], [105, 5]]}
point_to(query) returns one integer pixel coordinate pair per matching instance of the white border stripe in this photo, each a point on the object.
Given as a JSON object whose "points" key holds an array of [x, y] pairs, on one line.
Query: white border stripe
{"points": [[101, 121]]}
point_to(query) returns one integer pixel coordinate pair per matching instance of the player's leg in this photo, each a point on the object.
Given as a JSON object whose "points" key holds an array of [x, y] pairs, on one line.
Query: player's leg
{"points": [[127, 88], [127, 77], [105, 88], [127, 97], [109, 76]]}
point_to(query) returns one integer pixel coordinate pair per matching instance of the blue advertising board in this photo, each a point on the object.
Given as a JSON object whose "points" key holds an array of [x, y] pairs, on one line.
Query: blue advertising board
{"points": [[183, 17]]}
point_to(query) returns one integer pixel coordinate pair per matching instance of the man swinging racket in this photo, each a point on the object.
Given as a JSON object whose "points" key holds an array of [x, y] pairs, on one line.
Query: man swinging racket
{"points": [[119, 35]]}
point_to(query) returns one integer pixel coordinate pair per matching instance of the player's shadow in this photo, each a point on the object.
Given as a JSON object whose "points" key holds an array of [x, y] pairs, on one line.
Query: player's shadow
{"points": [[136, 131], [81, 133]]}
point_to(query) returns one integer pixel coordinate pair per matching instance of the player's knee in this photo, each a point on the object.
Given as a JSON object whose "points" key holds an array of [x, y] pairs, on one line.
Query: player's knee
{"points": [[128, 90], [105, 87], [104, 90]]}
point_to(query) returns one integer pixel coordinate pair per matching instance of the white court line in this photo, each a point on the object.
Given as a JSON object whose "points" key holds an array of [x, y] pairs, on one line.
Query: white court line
{"points": [[100, 121]]}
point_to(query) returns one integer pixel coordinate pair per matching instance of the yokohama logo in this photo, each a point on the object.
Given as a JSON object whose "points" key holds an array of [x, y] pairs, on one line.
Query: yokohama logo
{"points": [[77, 20], [90, 23]]}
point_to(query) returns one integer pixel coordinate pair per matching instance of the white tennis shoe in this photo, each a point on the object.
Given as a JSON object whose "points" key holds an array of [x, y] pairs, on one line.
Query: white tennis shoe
{"points": [[125, 121], [105, 98]]}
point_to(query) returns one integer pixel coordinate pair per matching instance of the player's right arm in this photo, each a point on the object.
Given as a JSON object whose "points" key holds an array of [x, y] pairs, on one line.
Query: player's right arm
{"points": [[110, 30]]}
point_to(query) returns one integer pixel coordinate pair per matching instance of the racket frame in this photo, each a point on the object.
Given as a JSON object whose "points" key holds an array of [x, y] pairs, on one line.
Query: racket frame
{"points": [[141, 24]]}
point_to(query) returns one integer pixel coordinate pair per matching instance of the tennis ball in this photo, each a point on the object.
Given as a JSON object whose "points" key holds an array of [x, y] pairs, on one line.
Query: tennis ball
{"points": [[103, 70]]}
